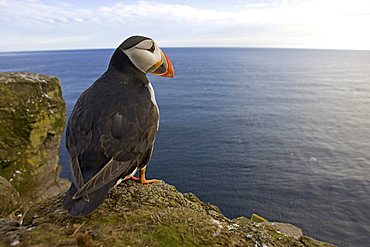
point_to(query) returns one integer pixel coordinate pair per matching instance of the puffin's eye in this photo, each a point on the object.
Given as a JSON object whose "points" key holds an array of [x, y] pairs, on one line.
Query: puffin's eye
{"points": [[152, 49]]}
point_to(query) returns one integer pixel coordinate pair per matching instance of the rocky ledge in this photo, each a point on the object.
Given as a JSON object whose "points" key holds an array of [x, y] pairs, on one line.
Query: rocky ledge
{"points": [[146, 215]]}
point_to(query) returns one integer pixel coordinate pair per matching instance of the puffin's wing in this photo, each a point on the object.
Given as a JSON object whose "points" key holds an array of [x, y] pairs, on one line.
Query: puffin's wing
{"points": [[107, 174], [129, 133], [125, 137], [79, 135]]}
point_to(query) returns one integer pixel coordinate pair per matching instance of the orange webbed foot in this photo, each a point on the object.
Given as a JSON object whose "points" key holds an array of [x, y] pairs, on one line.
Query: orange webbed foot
{"points": [[141, 179]]}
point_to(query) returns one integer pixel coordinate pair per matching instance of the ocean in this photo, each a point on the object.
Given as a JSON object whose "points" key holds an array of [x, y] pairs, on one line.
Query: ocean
{"points": [[284, 133]]}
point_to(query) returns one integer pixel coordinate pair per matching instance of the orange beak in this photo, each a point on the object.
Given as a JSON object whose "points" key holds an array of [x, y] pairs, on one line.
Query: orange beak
{"points": [[165, 67]]}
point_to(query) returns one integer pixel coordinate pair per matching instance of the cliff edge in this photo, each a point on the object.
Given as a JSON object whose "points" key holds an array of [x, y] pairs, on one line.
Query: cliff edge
{"points": [[146, 215]]}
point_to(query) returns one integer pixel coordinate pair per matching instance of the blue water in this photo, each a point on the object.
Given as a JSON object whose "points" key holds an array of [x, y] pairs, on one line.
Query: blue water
{"points": [[283, 133]]}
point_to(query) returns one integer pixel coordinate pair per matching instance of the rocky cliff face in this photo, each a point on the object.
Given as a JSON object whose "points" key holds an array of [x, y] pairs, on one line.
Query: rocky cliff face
{"points": [[32, 118]]}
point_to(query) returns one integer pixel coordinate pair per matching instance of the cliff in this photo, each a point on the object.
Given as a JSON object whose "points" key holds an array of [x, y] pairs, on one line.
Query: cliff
{"points": [[32, 116]]}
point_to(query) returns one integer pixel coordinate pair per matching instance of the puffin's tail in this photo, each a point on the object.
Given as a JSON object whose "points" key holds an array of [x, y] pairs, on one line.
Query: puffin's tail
{"points": [[80, 206]]}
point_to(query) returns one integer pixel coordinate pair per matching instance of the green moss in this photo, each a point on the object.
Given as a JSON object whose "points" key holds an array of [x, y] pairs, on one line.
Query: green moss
{"points": [[38, 237], [169, 235]]}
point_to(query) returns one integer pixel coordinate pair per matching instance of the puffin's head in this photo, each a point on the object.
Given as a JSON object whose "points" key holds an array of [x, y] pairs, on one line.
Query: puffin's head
{"points": [[146, 55]]}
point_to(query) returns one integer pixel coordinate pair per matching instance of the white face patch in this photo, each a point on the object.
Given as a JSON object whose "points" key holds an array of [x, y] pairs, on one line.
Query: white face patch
{"points": [[142, 56]]}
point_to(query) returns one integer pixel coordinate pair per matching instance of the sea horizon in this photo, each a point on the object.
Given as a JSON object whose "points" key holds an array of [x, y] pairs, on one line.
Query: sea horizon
{"points": [[190, 47]]}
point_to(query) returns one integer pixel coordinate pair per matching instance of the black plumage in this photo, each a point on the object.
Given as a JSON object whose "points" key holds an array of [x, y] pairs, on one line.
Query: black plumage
{"points": [[110, 132]]}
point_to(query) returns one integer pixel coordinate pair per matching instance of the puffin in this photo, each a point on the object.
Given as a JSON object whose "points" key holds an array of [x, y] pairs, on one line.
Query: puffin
{"points": [[111, 131]]}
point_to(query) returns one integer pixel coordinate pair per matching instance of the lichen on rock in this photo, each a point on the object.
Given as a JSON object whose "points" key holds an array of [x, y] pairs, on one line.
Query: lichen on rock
{"points": [[32, 118]]}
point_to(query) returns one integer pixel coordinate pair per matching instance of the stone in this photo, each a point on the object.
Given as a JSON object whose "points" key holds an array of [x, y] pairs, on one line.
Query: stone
{"points": [[307, 241], [288, 229], [9, 197], [32, 118], [258, 218]]}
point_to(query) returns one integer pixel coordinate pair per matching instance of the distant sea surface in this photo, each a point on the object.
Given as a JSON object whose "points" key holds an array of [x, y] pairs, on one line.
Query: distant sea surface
{"points": [[284, 133]]}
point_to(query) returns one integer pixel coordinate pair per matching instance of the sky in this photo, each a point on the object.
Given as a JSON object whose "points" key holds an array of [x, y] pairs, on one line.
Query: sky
{"points": [[27, 25]]}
